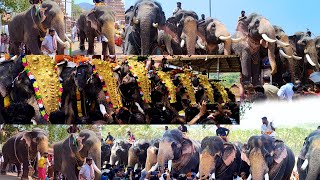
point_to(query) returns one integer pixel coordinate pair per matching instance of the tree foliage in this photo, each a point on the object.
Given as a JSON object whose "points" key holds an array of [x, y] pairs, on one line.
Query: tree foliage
{"points": [[15, 6], [76, 11]]}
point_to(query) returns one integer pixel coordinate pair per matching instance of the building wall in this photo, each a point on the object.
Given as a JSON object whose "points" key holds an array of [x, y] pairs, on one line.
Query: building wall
{"points": [[118, 8]]}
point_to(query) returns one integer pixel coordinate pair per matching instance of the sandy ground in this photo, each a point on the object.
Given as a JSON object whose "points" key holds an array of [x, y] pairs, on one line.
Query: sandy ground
{"points": [[10, 176], [97, 49]]}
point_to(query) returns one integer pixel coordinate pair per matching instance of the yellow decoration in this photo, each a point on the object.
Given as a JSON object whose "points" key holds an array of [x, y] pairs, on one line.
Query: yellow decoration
{"points": [[185, 79], [166, 80], [6, 101], [104, 69], [78, 97], [47, 80], [204, 81], [222, 91], [138, 69]]}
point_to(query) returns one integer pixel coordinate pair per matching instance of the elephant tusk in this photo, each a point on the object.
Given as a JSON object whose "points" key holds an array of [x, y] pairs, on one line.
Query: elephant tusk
{"points": [[282, 44], [67, 38], [58, 39], [156, 25], [284, 54], [310, 60], [296, 57], [235, 40], [116, 163], [250, 177], [201, 45], [266, 38], [182, 43], [170, 165], [223, 38], [266, 176], [198, 174], [96, 169], [139, 107], [102, 109], [213, 176], [135, 167], [154, 167], [305, 164]]}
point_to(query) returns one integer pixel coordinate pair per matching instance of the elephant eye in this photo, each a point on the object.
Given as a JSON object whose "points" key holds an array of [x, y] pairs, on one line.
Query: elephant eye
{"points": [[257, 22]]}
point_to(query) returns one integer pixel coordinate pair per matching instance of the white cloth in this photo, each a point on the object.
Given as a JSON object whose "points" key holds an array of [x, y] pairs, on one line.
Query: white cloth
{"points": [[266, 129], [286, 92], [87, 172], [74, 30], [50, 43]]}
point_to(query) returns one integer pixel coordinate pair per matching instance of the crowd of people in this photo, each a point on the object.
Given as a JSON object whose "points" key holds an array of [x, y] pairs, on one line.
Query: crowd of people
{"points": [[288, 92]]}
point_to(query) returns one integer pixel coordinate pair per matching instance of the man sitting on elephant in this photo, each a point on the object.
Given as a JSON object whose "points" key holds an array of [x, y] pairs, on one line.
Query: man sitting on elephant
{"points": [[268, 128], [39, 11]]}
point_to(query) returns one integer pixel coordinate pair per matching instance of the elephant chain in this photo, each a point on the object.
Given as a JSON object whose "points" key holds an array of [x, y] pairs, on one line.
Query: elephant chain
{"points": [[15, 151]]}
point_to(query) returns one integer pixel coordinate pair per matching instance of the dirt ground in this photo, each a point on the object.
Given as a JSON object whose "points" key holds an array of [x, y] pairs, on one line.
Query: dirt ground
{"points": [[97, 49]]}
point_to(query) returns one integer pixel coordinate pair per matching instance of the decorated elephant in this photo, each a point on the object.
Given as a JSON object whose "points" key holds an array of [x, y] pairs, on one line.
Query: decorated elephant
{"points": [[181, 152], [23, 149], [183, 26], [168, 43], [212, 32], [308, 159], [27, 28], [255, 31], [105, 153], [99, 21], [146, 17], [152, 154], [69, 156], [138, 153], [268, 158], [218, 160], [119, 153], [305, 49]]}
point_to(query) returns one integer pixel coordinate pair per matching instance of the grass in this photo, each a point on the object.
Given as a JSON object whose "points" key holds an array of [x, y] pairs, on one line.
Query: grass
{"points": [[293, 137]]}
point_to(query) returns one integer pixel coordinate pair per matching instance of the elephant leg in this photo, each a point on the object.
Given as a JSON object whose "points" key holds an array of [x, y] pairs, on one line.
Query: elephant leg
{"points": [[90, 45], [25, 173], [104, 48], [18, 169], [4, 166], [33, 45], [255, 70], [82, 39], [246, 65], [68, 170]]}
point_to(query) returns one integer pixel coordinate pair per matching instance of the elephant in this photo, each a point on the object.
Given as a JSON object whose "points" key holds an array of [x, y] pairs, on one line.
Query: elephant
{"points": [[317, 42], [152, 153], [212, 32], [254, 31], [119, 153], [218, 160], [27, 28], [23, 149], [99, 21], [137, 153], [69, 156], [268, 158], [305, 48], [183, 26], [171, 45], [182, 152], [307, 161], [146, 17], [105, 152]]}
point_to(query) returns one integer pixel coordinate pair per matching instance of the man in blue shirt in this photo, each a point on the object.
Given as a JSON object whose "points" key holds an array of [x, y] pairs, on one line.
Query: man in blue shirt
{"points": [[222, 132]]}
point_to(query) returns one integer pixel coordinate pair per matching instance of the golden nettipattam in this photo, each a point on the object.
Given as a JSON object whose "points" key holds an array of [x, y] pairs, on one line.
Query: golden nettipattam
{"points": [[185, 79], [104, 69], [42, 71], [204, 81], [166, 80], [139, 71]]}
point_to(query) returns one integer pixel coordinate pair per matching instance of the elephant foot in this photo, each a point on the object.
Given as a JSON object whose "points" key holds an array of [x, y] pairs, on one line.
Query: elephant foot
{"points": [[19, 173], [3, 172], [82, 48], [24, 178]]}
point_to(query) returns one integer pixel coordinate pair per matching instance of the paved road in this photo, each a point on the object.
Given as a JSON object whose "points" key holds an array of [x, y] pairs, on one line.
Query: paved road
{"points": [[97, 49], [10, 176]]}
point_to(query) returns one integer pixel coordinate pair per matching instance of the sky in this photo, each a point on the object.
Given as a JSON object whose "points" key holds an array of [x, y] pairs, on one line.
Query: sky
{"points": [[292, 17]]}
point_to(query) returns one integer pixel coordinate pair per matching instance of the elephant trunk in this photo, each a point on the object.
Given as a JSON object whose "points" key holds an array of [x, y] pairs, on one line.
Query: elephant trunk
{"points": [[258, 165], [227, 47], [190, 31], [146, 30], [42, 146], [291, 62], [58, 24], [95, 154], [132, 157], [109, 31], [207, 165], [151, 158], [272, 59], [313, 167], [163, 158]]}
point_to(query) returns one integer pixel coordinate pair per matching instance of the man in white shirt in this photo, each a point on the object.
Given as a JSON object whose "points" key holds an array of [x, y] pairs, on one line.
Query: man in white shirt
{"points": [[74, 33], [49, 44], [268, 128], [86, 171], [286, 91], [270, 90]]}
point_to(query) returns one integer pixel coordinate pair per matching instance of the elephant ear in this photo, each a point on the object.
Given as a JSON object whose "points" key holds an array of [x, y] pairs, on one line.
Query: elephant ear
{"points": [[229, 154], [280, 152], [244, 156], [28, 138], [94, 23]]}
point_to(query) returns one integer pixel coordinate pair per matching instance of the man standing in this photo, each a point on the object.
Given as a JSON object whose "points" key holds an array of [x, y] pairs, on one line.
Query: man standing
{"points": [[286, 91], [43, 163], [269, 90], [131, 137], [109, 139], [49, 44], [178, 8], [268, 128], [86, 171], [222, 132]]}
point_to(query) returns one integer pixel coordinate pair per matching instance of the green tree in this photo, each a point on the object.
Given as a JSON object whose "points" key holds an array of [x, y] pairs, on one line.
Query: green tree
{"points": [[15, 6], [76, 11]]}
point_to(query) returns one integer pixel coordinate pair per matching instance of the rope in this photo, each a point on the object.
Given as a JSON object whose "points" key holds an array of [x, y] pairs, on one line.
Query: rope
{"points": [[73, 152]]}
